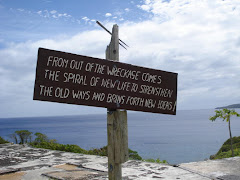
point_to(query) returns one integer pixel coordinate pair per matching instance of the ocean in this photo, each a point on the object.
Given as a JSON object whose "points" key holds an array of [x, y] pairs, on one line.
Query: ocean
{"points": [[188, 136]]}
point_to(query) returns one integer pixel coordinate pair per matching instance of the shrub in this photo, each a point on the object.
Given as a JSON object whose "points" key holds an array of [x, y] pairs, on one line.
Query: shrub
{"points": [[3, 141], [134, 155], [235, 140], [100, 152], [40, 137], [225, 150]]}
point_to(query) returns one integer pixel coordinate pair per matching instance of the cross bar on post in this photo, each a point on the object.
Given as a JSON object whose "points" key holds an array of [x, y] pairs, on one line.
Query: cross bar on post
{"points": [[120, 41], [116, 123]]}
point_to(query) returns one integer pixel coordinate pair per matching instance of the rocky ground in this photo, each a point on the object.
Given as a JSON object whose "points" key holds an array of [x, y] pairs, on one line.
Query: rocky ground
{"points": [[18, 162]]}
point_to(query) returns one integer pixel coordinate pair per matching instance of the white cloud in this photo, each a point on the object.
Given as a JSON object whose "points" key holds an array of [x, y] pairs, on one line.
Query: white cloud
{"points": [[85, 19], [53, 12], [127, 9], [45, 13], [64, 15], [144, 7], [39, 12], [108, 14], [20, 9], [147, 2]]}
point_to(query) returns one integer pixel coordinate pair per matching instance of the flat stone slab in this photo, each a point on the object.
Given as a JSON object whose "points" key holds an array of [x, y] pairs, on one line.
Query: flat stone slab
{"points": [[43, 164], [73, 172], [8, 170], [226, 169], [12, 176], [75, 175]]}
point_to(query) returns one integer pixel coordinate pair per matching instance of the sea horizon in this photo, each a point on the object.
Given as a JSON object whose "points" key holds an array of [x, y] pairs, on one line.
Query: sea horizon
{"points": [[128, 111]]}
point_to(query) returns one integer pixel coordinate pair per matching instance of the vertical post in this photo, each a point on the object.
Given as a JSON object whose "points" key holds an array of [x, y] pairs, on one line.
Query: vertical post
{"points": [[116, 123]]}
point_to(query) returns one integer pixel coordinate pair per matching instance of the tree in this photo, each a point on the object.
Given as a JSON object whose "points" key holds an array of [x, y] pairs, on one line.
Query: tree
{"points": [[24, 135], [40, 138], [14, 137], [226, 114]]}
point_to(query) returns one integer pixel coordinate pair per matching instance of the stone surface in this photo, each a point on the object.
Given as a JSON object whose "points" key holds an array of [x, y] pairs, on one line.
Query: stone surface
{"points": [[12, 176], [228, 168], [41, 164], [229, 177]]}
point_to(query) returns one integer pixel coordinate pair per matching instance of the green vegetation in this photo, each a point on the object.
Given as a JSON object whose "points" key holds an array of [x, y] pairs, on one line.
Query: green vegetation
{"points": [[100, 152], [155, 161], [134, 155], [226, 114], [225, 151], [22, 136], [42, 141], [3, 141]]}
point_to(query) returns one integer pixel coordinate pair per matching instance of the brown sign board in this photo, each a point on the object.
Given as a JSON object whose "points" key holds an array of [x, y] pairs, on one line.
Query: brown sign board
{"points": [[75, 79]]}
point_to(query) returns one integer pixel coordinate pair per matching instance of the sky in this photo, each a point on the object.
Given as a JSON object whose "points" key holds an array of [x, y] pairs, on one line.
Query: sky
{"points": [[198, 39]]}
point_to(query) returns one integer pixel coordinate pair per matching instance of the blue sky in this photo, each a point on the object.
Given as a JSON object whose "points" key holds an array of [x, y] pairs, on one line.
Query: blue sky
{"points": [[199, 40], [33, 20]]}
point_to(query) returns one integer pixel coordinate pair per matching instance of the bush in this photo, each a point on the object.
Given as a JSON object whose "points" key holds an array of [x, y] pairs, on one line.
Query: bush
{"points": [[234, 139], [225, 150], [100, 152], [134, 155], [43, 142], [3, 141], [40, 138]]}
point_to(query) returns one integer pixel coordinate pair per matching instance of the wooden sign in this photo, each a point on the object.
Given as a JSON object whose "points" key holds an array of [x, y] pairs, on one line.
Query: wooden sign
{"points": [[75, 79]]}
